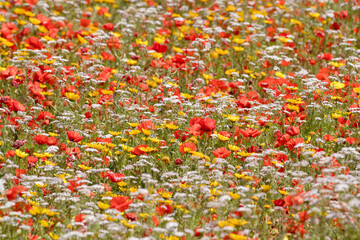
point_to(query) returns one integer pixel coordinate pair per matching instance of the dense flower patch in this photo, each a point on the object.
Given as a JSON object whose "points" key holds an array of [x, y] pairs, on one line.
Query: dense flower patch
{"points": [[179, 119]]}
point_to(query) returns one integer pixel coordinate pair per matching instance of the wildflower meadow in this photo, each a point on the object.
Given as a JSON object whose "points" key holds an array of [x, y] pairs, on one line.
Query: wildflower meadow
{"points": [[179, 119]]}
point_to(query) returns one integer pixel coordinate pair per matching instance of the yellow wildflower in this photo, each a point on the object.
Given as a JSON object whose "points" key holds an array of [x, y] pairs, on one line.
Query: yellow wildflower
{"points": [[238, 49], [283, 192], [133, 124], [237, 221], [44, 223], [279, 74], [53, 236], [337, 64], [114, 133], [140, 42], [72, 96], [237, 237], [233, 118], [83, 167], [234, 195], [357, 90], [233, 148], [82, 40], [20, 154], [265, 188], [221, 52], [172, 126], [222, 138], [134, 132], [337, 85], [131, 62], [102, 205], [314, 15]]}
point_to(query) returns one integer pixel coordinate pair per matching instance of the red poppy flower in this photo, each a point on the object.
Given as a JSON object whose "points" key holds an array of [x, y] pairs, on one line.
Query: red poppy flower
{"points": [[116, 177], [328, 137], [74, 136], [158, 48], [279, 202], [74, 184], [88, 115], [146, 125], [250, 132], [281, 157], [73, 151], [102, 10], [164, 209], [108, 26], [114, 42], [178, 161], [351, 140], [104, 140], [291, 200], [293, 142], [303, 216], [34, 43], [182, 135], [225, 134], [187, 146], [312, 62], [13, 192], [120, 203], [85, 22], [33, 237], [15, 106], [131, 216], [42, 139], [51, 141], [45, 116], [207, 124], [325, 56], [108, 56], [221, 152], [222, 85], [19, 172], [80, 217], [10, 153], [32, 160], [8, 72], [137, 151], [293, 131], [282, 140], [243, 102], [195, 130]]}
